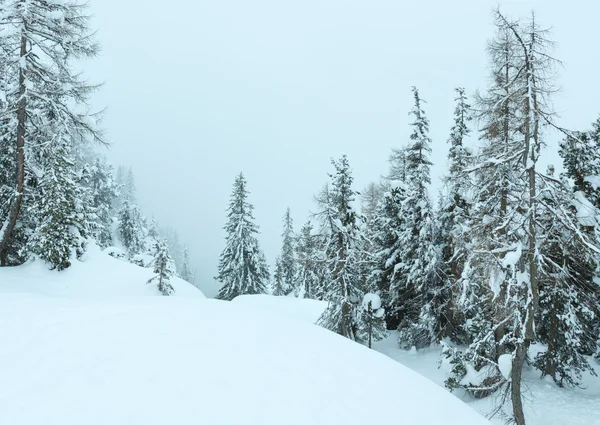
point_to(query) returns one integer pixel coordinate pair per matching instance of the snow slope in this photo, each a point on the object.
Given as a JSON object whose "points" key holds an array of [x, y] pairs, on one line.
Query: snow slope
{"points": [[544, 402], [294, 308], [96, 275], [170, 360]]}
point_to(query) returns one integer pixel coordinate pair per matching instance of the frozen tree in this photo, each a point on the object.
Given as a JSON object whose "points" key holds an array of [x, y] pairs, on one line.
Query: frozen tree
{"points": [[104, 190], [453, 219], [343, 247], [510, 258], [278, 286], [372, 319], [131, 228], [62, 215], [581, 157], [242, 264], [416, 291], [309, 277], [163, 267], [186, 273], [44, 98], [287, 258], [567, 294]]}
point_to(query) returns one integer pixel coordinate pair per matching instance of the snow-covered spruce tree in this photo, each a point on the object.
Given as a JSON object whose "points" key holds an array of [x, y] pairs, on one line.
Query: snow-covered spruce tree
{"points": [[287, 258], [389, 225], [417, 289], [581, 158], [185, 273], [308, 281], [242, 265], [567, 296], [278, 287], [343, 247], [164, 268], [62, 215], [372, 319], [580, 152], [104, 190], [453, 220], [175, 246], [44, 96], [131, 229]]}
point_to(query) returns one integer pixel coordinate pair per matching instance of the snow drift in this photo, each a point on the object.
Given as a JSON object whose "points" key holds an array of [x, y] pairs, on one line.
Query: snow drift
{"points": [[302, 309], [96, 275], [169, 360]]}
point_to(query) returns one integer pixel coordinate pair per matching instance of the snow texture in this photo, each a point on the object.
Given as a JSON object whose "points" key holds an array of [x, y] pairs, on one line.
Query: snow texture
{"points": [[189, 361], [97, 275], [505, 365]]}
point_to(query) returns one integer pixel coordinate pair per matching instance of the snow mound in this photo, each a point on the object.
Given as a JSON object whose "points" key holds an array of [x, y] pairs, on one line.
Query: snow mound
{"points": [[302, 309], [185, 361], [97, 275]]}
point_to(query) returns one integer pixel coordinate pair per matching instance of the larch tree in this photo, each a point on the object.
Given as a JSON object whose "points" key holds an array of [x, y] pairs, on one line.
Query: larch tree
{"points": [[242, 265], [44, 96]]}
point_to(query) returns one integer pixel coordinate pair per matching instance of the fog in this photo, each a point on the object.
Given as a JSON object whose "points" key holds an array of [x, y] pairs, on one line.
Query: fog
{"points": [[197, 91]]}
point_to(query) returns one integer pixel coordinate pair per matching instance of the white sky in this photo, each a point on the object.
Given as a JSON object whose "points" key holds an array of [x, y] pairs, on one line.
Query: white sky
{"points": [[199, 90]]}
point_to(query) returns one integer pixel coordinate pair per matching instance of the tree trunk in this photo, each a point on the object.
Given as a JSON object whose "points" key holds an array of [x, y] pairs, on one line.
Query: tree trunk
{"points": [[515, 385], [15, 209]]}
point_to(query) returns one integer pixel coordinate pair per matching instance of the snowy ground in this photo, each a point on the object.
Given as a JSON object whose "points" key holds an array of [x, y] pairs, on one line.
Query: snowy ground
{"points": [[177, 360], [96, 275], [94, 345], [546, 404]]}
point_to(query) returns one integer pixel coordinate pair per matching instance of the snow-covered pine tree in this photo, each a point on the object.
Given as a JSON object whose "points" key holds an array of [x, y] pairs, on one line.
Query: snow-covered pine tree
{"points": [[131, 229], [567, 295], [581, 158], [453, 220], [308, 281], [175, 246], [104, 190], [164, 268], [44, 96], [417, 290], [185, 272], [388, 227], [343, 247], [278, 285], [62, 215], [153, 229], [242, 264], [288, 258]]}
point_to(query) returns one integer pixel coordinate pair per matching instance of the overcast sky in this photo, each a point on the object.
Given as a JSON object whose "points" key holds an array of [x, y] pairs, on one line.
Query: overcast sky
{"points": [[198, 90]]}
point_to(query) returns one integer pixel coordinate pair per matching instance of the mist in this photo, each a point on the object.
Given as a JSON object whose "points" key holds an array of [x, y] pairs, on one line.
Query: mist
{"points": [[198, 91]]}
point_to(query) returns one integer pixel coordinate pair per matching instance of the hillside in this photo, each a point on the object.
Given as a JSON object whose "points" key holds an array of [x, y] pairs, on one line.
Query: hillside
{"points": [[96, 275]]}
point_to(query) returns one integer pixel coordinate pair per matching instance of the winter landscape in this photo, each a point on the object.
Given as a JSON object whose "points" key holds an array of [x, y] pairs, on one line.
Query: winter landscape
{"points": [[166, 256]]}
